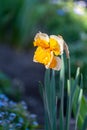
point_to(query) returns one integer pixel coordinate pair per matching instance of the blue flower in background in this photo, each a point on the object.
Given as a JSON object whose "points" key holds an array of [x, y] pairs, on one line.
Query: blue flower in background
{"points": [[18, 125], [15, 116], [27, 129], [1, 122], [60, 12], [1, 115], [12, 104], [3, 97], [24, 105], [12, 116], [21, 120]]}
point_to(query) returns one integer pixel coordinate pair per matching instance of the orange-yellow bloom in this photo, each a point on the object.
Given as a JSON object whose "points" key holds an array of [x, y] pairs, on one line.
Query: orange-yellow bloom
{"points": [[56, 44], [48, 48], [44, 56], [55, 63], [42, 40]]}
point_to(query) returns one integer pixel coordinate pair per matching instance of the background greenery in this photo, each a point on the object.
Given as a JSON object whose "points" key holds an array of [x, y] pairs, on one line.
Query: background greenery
{"points": [[20, 20]]}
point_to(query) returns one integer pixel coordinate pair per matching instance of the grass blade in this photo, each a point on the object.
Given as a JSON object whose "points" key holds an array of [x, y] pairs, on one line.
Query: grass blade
{"points": [[79, 98], [75, 85], [85, 124]]}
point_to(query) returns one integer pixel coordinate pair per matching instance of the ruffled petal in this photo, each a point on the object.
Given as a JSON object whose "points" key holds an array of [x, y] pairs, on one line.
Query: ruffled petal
{"points": [[56, 44], [58, 64], [55, 63], [42, 56], [42, 40]]}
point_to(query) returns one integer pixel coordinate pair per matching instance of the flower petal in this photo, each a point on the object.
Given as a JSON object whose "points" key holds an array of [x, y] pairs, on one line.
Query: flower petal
{"points": [[56, 44], [42, 40], [55, 63], [42, 56], [58, 64], [66, 50]]}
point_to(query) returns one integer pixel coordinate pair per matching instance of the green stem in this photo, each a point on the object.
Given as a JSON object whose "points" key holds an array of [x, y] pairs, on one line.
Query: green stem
{"points": [[50, 101], [53, 100], [62, 77], [46, 97], [68, 112]]}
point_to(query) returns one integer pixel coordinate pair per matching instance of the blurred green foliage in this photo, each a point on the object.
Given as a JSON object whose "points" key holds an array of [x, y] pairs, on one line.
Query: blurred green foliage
{"points": [[20, 20], [12, 89], [17, 21], [83, 110]]}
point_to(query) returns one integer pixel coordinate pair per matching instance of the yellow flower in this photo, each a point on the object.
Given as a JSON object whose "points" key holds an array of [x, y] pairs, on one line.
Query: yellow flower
{"points": [[44, 56], [55, 63], [56, 44], [48, 48], [42, 40]]}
